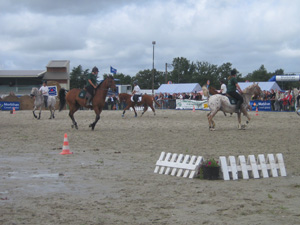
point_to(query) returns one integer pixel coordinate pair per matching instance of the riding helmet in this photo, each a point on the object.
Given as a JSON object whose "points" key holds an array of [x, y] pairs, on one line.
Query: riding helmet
{"points": [[135, 82], [233, 72], [95, 69]]}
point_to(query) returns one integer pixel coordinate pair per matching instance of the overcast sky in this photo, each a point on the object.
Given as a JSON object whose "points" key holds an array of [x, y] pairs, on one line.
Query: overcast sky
{"points": [[119, 33]]}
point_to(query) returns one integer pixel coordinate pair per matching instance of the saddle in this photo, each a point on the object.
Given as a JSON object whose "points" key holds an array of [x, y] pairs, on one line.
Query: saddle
{"points": [[82, 93], [232, 100], [139, 99]]}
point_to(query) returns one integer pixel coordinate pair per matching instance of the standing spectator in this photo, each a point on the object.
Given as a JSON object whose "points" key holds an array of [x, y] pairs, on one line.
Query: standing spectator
{"points": [[272, 98], [287, 101]]}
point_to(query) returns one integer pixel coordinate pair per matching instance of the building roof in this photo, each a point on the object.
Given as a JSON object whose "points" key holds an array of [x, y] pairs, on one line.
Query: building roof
{"points": [[56, 75], [179, 88], [58, 63], [21, 73]]}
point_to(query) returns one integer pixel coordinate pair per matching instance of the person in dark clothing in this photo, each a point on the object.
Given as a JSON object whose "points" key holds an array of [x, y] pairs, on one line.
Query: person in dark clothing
{"points": [[91, 85], [232, 88]]}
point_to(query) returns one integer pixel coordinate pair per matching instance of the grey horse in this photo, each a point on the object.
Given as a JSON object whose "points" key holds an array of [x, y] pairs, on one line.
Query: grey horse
{"points": [[39, 103]]}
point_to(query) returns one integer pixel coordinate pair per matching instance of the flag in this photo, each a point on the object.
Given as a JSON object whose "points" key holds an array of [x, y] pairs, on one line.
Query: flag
{"points": [[113, 70]]}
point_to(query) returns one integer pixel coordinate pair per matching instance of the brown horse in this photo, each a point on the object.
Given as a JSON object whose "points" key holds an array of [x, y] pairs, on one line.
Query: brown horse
{"points": [[75, 102], [147, 100]]}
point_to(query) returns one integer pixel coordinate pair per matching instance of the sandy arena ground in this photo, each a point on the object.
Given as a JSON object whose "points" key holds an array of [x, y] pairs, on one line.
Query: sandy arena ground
{"points": [[110, 180]]}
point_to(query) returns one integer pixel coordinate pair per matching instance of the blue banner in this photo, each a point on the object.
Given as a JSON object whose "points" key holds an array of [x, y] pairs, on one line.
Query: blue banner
{"points": [[52, 90], [9, 105], [113, 70], [261, 105]]}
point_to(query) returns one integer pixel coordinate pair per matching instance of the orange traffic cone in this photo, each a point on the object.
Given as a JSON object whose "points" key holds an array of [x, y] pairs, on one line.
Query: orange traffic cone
{"points": [[194, 109], [66, 149], [256, 114], [13, 111]]}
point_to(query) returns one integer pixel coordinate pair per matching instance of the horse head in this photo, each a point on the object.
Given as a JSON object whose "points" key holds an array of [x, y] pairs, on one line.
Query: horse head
{"points": [[109, 83], [255, 90], [34, 92], [205, 91]]}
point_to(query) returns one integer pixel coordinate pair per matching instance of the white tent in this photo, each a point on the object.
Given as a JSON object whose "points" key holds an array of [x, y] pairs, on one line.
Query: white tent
{"points": [[179, 88], [264, 86]]}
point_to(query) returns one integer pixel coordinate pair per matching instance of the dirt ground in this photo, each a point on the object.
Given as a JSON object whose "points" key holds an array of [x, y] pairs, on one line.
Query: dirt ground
{"points": [[110, 177]]}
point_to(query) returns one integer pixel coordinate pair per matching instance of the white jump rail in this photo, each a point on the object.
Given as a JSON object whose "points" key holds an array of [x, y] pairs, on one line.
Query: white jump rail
{"points": [[178, 165], [258, 168]]}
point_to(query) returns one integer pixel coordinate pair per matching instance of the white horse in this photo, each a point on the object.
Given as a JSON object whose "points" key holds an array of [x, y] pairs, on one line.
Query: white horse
{"points": [[221, 103], [295, 95], [39, 102]]}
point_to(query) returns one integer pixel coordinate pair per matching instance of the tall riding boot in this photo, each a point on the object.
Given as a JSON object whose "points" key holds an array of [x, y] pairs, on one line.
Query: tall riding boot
{"points": [[238, 105], [88, 99]]}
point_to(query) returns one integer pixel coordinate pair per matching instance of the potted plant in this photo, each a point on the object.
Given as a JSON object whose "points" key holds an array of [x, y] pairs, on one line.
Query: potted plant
{"points": [[210, 169]]}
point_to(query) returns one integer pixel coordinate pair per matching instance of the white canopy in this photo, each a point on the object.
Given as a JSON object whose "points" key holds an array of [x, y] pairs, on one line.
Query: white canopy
{"points": [[264, 86], [179, 88]]}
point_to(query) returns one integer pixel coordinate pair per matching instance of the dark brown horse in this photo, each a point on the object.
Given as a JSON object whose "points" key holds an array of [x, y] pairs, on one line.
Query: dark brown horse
{"points": [[147, 100], [75, 102]]}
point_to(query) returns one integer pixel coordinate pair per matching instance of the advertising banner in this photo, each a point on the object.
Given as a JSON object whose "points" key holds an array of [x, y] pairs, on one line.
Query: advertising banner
{"points": [[262, 105], [190, 104], [9, 105], [52, 90]]}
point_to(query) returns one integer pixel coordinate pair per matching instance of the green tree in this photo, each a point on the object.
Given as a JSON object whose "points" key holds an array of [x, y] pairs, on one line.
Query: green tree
{"points": [[182, 70], [78, 77], [124, 79], [206, 71], [259, 75], [144, 79]]}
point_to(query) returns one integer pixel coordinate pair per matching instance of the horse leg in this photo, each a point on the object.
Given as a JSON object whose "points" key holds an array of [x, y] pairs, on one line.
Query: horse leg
{"points": [[71, 115], [153, 110], [92, 125], [135, 113], [35, 116], [211, 123], [40, 113], [239, 121], [145, 109], [50, 108], [126, 108]]}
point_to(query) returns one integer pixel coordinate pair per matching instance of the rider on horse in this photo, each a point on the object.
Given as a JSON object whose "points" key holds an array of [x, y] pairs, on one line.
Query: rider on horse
{"points": [[91, 85], [232, 87], [136, 92]]}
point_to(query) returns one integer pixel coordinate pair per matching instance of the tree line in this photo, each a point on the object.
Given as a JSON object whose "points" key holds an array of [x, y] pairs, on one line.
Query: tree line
{"points": [[184, 71]]}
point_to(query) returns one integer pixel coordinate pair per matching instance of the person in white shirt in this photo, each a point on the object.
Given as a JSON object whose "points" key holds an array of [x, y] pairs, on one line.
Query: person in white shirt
{"points": [[223, 89], [136, 92], [45, 92]]}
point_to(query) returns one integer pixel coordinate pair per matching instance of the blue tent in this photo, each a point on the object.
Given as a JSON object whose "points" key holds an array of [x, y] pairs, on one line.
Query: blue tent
{"points": [[264, 86], [179, 88]]}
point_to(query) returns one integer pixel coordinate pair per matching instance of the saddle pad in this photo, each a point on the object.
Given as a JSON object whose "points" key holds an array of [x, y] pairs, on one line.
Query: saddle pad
{"points": [[232, 100], [82, 94], [139, 99]]}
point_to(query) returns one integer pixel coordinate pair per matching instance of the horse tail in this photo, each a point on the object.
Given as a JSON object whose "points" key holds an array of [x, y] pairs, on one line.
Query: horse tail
{"points": [[156, 102], [62, 98]]}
